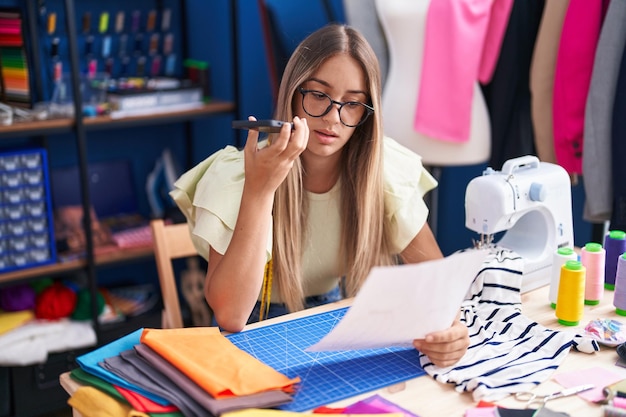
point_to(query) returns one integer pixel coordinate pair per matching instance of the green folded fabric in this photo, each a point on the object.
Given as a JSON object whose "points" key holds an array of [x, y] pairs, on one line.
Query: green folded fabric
{"points": [[86, 378]]}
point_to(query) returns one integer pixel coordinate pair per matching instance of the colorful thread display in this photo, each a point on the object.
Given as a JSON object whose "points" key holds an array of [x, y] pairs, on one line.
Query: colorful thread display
{"points": [[593, 257], [571, 296], [561, 256], [615, 245], [619, 297]]}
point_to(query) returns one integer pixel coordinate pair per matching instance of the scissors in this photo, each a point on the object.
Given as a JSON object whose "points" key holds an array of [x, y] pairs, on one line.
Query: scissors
{"points": [[533, 399]]}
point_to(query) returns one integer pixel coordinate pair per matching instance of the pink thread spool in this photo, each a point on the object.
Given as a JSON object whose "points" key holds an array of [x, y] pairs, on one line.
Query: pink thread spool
{"points": [[619, 298], [593, 258], [559, 258]]}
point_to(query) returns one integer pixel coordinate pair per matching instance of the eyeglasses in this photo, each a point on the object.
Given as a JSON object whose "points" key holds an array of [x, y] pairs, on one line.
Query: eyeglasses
{"points": [[318, 104]]}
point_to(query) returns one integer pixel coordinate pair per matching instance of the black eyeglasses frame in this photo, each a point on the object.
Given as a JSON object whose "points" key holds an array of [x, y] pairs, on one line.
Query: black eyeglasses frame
{"points": [[368, 109]]}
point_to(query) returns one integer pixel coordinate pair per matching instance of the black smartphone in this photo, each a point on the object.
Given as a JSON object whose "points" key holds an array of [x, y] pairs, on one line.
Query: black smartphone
{"points": [[266, 126]]}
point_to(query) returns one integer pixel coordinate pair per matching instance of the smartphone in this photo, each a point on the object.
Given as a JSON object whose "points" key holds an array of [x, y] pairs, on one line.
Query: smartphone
{"points": [[266, 126]]}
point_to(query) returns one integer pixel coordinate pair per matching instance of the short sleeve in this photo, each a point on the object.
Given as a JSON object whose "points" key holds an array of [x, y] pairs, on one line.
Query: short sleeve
{"points": [[406, 182], [209, 196]]}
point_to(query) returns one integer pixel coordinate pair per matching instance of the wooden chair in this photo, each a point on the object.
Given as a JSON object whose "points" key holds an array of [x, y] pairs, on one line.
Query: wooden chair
{"points": [[171, 241]]}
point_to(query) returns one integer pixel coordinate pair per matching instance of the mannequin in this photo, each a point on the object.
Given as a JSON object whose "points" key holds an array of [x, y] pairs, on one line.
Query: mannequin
{"points": [[404, 23]]}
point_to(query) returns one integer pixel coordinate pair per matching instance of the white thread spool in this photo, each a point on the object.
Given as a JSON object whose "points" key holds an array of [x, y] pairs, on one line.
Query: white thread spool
{"points": [[561, 256]]}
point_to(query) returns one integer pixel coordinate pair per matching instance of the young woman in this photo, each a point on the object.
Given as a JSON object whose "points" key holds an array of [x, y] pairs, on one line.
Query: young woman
{"points": [[300, 219]]}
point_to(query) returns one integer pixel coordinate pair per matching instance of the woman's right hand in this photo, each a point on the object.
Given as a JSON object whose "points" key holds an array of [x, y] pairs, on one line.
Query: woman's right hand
{"points": [[267, 168], [234, 279]]}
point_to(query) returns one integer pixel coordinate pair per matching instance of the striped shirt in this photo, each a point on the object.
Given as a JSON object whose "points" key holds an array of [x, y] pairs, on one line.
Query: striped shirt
{"points": [[508, 352]]}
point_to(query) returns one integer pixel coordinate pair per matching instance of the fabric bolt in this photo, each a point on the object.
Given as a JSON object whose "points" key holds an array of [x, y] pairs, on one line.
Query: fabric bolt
{"points": [[508, 352], [572, 75], [152, 381], [213, 362], [542, 69], [91, 402], [456, 44], [508, 94], [89, 363], [597, 163], [267, 399], [618, 151]]}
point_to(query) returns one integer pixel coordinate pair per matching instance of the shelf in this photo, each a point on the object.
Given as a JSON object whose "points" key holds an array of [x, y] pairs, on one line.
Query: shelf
{"points": [[56, 126], [119, 256], [107, 122], [43, 127]]}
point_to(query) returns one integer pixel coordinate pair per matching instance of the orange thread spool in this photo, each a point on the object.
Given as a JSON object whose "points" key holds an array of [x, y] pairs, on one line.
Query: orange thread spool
{"points": [[571, 297]]}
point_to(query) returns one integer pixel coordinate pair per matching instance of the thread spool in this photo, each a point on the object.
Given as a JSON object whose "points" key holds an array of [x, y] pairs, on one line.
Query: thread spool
{"points": [[612, 411], [561, 255], [615, 245], [593, 258], [571, 296], [619, 297]]}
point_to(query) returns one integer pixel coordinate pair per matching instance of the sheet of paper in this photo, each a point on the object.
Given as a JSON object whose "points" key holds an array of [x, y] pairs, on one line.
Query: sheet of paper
{"points": [[397, 304]]}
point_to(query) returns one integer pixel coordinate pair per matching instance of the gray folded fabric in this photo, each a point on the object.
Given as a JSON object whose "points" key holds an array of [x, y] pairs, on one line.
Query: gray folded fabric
{"points": [[151, 380], [268, 399]]}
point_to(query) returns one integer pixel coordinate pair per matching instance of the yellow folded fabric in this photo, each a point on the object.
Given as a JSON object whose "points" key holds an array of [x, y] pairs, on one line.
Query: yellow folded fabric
{"points": [[91, 402], [10, 320], [259, 412], [214, 363]]}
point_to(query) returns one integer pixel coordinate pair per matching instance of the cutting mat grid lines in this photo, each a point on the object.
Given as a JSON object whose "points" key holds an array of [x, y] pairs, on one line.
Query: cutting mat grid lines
{"points": [[326, 376]]}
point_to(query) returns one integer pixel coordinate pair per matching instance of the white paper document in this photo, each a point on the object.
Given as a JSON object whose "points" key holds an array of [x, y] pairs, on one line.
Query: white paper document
{"points": [[397, 304]]}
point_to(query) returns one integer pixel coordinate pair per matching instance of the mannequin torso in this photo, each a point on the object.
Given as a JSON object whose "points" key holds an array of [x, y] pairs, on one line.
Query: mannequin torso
{"points": [[404, 24]]}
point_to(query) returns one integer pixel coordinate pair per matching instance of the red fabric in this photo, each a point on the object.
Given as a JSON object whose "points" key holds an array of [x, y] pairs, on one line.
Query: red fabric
{"points": [[143, 404], [328, 410], [55, 302]]}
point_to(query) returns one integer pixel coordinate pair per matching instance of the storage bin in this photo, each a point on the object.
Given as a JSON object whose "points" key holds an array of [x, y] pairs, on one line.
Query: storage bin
{"points": [[26, 226]]}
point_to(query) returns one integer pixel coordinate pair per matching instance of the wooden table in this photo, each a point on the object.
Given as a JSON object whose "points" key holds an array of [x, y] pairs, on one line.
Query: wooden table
{"points": [[428, 398]]}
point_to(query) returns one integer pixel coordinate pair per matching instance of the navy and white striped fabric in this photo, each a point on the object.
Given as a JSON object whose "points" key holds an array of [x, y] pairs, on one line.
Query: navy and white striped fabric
{"points": [[508, 351]]}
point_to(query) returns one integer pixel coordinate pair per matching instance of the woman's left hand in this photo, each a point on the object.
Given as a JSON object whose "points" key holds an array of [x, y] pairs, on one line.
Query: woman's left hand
{"points": [[446, 347]]}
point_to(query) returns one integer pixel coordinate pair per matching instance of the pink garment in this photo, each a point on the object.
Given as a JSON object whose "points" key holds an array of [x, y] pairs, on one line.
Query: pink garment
{"points": [[572, 76], [461, 46]]}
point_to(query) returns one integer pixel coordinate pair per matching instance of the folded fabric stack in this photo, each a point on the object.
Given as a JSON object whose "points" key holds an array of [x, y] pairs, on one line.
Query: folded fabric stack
{"points": [[190, 372]]}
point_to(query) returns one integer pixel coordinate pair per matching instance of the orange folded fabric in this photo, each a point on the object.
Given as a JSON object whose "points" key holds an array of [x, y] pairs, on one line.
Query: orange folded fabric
{"points": [[214, 363]]}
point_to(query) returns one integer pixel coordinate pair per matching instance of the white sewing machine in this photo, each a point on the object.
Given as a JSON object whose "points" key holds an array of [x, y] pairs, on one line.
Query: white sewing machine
{"points": [[530, 201]]}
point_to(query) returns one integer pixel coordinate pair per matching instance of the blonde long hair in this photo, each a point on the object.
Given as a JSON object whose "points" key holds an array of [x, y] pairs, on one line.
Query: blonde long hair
{"points": [[364, 235]]}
